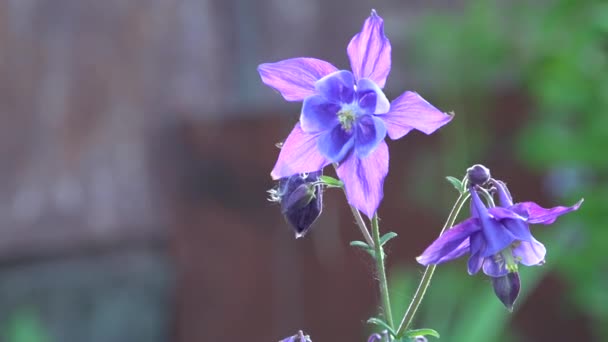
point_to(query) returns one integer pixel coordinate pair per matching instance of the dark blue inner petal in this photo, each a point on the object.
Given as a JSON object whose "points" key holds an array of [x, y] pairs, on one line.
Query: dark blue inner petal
{"points": [[337, 87], [369, 132], [367, 102], [335, 144], [318, 114], [370, 97]]}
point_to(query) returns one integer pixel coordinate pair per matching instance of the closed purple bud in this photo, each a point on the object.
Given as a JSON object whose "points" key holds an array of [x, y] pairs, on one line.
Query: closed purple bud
{"points": [[375, 338], [478, 174], [507, 288], [301, 200], [299, 337]]}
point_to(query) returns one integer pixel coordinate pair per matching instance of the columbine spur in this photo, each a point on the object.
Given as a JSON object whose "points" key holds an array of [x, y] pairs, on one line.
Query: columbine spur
{"points": [[497, 239], [345, 115]]}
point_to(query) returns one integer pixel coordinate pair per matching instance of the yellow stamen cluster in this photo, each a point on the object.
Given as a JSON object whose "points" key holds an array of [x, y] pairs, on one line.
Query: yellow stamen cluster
{"points": [[346, 116]]}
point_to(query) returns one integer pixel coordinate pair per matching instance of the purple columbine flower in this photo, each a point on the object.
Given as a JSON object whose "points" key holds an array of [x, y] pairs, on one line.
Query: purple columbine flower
{"points": [[346, 116], [497, 239]]}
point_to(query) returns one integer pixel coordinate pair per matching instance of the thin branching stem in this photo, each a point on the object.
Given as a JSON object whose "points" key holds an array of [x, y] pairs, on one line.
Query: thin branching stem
{"points": [[406, 322]]}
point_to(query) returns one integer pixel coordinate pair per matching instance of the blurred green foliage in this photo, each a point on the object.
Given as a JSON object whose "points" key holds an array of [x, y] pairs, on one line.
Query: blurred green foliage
{"points": [[24, 325], [554, 55]]}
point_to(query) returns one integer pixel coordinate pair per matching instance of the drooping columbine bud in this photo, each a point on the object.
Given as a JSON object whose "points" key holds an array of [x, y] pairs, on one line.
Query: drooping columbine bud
{"points": [[301, 200], [506, 288], [478, 174], [299, 337]]}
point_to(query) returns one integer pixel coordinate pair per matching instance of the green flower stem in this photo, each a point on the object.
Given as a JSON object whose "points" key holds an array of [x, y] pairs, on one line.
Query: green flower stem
{"points": [[406, 322], [379, 253], [362, 226]]}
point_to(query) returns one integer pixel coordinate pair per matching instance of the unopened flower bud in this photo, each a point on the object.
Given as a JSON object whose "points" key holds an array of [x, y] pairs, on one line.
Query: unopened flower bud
{"points": [[478, 174], [507, 288], [299, 337], [301, 200]]}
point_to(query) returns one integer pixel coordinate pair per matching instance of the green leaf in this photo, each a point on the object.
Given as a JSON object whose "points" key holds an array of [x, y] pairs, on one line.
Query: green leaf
{"points": [[331, 182], [364, 246], [386, 237], [381, 323], [456, 183], [421, 332]]}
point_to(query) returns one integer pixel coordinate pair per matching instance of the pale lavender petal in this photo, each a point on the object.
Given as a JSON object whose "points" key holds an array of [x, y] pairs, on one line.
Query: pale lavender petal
{"points": [[335, 144], [369, 132], [539, 215], [363, 179], [295, 78], [442, 249], [477, 248], [299, 154], [530, 253], [371, 98], [494, 266], [338, 87], [410, 111], [370, 51], [318, 115]]}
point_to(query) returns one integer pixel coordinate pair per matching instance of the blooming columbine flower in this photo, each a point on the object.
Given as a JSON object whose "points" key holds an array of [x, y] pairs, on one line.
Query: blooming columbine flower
{"points": [[497, 239], [301, 200], [346, 116]]}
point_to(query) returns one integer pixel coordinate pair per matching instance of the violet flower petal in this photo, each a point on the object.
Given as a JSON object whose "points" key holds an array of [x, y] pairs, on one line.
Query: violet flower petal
{"points": [[335, 144], [530, 253], [410, 111], [337, 87], [504, 197], [369, 51], [539, 215], [295, 78], [363, 179], [371, 98], [477, 247], [497, 237], [442, 249], [513, 222], [299, 154], [369, 132], [459, 251], [500, 213], [318, 115]]}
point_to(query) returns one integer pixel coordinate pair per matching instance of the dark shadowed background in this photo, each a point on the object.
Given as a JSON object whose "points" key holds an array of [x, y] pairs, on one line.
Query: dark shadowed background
{"points": [[136, 143]]}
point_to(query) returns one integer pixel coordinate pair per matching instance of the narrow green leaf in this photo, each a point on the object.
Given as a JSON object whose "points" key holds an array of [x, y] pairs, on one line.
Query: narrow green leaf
{"points": [[381, 323], [331, 182], [364, 246], [421, 332], [384, 239], [456, 183]]}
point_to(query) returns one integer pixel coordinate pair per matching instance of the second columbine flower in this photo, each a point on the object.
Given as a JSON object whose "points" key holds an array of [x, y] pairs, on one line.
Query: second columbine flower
{"points": [[346, 116]]}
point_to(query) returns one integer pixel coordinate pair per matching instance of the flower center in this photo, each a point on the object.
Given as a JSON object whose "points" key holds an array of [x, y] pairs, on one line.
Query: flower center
{"points": [[347, 116], [506, 258]]}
